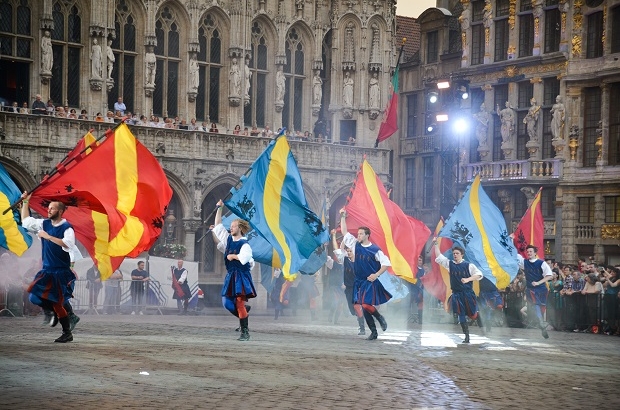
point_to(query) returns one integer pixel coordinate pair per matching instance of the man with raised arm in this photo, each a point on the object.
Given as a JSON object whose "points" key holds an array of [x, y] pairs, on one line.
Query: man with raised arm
{"points": [[369, 263]]}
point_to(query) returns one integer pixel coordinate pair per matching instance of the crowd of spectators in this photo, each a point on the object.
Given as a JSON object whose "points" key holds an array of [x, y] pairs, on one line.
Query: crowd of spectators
{"points": [[120, 112], [582, 298]]}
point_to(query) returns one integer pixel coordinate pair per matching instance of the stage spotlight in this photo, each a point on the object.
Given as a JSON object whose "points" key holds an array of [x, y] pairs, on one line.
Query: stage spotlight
{"points": [[430, 128], [433, 97], [460, 126], [442, 117], [443, 85], [462, 92]]}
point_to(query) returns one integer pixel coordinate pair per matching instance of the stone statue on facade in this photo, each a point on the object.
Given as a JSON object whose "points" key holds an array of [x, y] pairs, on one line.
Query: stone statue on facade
{"points": [[111, 58], [558, 115], [507, 118], [47, 55], [531, 120], [317, 88], [234, 80], [280, 85], [487, 19], [374, 92], [194, 78], [248, 75], [482, 118], [151, 66], [95, 60], [347, 90]]}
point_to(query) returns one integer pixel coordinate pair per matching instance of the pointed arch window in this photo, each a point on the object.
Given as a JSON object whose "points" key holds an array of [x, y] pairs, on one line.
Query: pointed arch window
{"points": [[210, 69], [66, 49], [254, 113], [167, 52], [295, 77], [16, 49], [124, 46]]}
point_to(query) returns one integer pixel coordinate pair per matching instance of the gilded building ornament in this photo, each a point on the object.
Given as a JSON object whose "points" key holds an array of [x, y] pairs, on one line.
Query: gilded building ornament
{"points": [[576, 45], [577, 16], [536, 26], [610, 231], [512, 11], [512, 49], [535, 80], [511, 70], [487, 36]]}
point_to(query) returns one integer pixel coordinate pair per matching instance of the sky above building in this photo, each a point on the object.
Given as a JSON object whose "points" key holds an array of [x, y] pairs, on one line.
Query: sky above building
{"points": [[413, 8]]}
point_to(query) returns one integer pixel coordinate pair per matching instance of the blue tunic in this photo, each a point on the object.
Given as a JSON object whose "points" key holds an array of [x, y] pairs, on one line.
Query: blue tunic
{"points": [[54, 282], [238, 281], [463, 299], [536, 295], [365, 291], [187, 293]]}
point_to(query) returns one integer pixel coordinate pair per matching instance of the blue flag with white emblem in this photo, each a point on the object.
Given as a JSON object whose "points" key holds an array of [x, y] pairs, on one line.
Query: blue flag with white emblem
{"points": [[478, 226], [13, 236]]}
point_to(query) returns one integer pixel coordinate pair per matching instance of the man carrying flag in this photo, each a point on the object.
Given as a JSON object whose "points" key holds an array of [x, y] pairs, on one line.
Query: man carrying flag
{"points": [[462, 274], [238, 286], [537, 274], [51, 287], [369, 263]]}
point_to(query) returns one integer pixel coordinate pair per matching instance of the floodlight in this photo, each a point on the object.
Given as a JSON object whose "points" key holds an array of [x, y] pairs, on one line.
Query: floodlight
{"points": [[443, 85]]}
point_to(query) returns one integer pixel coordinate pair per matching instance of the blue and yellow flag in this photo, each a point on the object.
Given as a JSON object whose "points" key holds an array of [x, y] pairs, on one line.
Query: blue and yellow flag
{"points": [[271, 198], [12, 235], [478, 226]]}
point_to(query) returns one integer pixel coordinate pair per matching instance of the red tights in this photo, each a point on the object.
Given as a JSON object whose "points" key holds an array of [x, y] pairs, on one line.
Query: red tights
{"points": [[240, 305]]}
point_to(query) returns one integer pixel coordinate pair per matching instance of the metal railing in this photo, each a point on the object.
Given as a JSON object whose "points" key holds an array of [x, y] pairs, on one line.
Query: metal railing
{"points": [[118, 296]]}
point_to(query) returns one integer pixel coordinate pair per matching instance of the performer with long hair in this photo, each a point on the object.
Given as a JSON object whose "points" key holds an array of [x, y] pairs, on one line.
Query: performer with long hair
{"points": [[238, 286]]}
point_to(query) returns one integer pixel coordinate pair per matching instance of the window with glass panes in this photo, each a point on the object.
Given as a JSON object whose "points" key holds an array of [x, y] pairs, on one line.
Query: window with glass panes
{"points": [[526, 90], [594, 45], [615, 30], [502, 8], [612, 209], [124, 46], [500, 96], [477, 32], [585, 210], [553, 26], [168, 53], [66, 49], [410, 183], [551, 86], [526, 29], [432, 46], [428, 189], [412, 115], [209, 69], [592, 116], [547, 202], [294, 71], [520, 202], [613, 157], [16, 49], [255, 110]]}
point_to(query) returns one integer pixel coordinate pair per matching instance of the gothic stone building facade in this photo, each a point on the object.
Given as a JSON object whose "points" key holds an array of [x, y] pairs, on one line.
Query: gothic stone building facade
{"points": [[544, 91], [305, 65]]}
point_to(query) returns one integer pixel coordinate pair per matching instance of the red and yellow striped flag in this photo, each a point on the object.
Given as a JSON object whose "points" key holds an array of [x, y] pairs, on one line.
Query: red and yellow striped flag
{"points": [[400, 236], [437, 281], [531, 229], [117, 195]]}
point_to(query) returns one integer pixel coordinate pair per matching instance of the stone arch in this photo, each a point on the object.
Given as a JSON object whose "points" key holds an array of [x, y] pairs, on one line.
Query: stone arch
{"points": [[182, 192], [22, 177]]}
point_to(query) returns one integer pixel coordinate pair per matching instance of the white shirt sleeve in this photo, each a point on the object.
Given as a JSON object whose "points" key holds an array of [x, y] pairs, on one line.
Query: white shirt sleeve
{"points": [[245, 254], [340, 255], [546, 269], [222, 235], [443, 261], [475, 272], [36, 225], [183, 277], [520, 259], [32, 224], [329, 263], [349, 241], [382, 258]]}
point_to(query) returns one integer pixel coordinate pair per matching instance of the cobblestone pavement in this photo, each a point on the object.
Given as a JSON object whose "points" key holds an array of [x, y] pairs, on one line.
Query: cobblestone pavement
{"points": [[161, 362]]}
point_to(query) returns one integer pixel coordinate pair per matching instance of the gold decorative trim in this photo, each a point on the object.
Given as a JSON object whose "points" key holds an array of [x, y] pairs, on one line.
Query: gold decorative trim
{"points": [[536, 26], [577, 16], [610, 231], [535, 80], [487, 36], [512, 49], [511, 70], [489, 78], [512, 11], [576, 42]]}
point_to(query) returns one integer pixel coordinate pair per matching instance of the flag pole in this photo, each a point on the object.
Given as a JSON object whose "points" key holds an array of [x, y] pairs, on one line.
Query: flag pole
{"points": [[62, 164], [400, 53]]}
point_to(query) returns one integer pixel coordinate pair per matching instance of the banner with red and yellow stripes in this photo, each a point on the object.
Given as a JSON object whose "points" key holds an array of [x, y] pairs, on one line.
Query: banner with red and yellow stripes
{"points": [[116, 195], [531, 229], [400, 236]]}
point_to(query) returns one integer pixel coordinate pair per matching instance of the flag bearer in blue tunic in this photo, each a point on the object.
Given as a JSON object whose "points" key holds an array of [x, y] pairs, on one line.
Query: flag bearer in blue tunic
{"points": [[238, 286], [462, 275], [52, 286], [537, 274], [369, 263]]}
